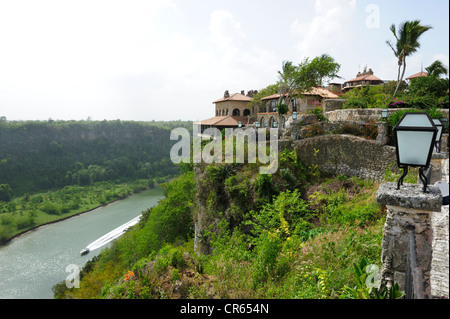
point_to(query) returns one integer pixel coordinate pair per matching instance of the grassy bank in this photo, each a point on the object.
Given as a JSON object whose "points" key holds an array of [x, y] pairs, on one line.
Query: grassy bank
{"points": [[30, 211], [296, 245]]}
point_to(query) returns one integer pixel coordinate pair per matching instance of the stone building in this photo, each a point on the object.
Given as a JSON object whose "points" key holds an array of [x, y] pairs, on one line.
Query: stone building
{"points": [[267, 114], [366, 78], [230, 110]]}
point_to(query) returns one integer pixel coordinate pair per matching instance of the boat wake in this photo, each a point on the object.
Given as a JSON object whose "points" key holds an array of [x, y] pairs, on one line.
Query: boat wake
{"points": [[113, 234]]}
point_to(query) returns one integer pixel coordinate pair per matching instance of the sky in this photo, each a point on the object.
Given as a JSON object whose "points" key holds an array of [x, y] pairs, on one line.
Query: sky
{"points": [[170, 59]]}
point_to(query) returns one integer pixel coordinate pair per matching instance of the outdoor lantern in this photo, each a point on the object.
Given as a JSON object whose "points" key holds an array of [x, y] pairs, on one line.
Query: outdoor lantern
{"points": [[275, 124], [294, 115], [415, 136], [239, 124], [438, 135], [256, 124], [384, 114], [444, 122]]}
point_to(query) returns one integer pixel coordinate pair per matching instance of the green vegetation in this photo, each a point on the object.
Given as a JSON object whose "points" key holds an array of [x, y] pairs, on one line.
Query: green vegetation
{"points": [[293, 234], [39, 156], [29, 211], [53, 170]]}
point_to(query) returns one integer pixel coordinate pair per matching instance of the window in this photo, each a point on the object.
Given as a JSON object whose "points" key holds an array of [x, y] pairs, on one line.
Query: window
{"points": [[294, 105], [273, 106], [263, 122]]}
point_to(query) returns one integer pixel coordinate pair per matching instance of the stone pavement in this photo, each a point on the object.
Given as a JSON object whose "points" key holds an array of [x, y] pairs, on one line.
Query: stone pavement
{"points": [[440, 261]]}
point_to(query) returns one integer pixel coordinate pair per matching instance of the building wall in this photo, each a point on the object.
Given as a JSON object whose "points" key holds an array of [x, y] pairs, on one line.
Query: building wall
{"points": [[223, 107], [303, 106]]}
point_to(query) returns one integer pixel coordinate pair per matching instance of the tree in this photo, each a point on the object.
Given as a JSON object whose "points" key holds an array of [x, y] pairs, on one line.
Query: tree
{"points": [[5, 192], [294, 80], [323, 68], [437, 68], [407, 43]]}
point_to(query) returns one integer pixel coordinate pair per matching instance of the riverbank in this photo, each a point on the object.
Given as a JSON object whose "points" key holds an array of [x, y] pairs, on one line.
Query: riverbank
{"points": [[28, 213], [33, 263]]}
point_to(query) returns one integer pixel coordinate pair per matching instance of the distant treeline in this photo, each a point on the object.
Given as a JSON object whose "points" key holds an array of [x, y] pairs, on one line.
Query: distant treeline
{"points": [[41, 155]]}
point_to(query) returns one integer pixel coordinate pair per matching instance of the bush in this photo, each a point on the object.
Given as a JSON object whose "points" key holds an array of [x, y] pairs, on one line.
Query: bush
{"points": [[429, 85], [422, 102], [318, 112], [355, 102], [51, 208], [24, 222]]}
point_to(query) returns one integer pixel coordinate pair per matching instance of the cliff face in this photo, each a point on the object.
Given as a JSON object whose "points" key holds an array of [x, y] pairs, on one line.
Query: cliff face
{"points": [[225, 192], [230, 193]]}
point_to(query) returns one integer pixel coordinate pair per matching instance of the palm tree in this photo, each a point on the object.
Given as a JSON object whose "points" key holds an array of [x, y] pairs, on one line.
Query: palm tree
{"points": [[437, 68], [407, 38]]}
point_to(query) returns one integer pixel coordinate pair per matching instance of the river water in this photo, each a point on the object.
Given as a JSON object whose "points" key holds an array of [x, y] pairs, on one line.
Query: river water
{"points": [[31, 264]]}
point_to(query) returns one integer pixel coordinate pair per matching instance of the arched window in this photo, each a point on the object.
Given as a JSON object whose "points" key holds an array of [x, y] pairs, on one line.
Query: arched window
{"points": [[272, 122], [263, 122], [236, 112], [246, 112]]}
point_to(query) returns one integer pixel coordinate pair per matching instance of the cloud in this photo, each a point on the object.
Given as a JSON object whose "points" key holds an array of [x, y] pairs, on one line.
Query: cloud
{"points": [[328, 30], [226, 32], [238, 64]]}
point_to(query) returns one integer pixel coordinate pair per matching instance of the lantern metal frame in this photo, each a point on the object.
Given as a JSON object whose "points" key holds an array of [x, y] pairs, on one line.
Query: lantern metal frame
{"points": [[437, 142], [384, 114], [405, 166]]}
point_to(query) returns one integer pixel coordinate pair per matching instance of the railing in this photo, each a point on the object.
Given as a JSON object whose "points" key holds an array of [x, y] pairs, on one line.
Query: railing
{"points": [[414, 283]]}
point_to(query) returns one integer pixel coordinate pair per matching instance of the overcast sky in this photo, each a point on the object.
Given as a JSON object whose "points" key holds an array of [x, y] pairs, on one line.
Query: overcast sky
{"points": [[169, 59]]}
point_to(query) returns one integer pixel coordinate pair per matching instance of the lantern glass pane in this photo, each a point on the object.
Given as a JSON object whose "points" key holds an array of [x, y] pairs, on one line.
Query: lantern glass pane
{"points": [[414, 147], [439, 127], [412, 119], [439, 133]]}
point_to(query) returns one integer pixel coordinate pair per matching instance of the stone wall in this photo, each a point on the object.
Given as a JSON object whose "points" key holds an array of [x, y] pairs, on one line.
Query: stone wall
{"points": [[332, 104], [348, 155], [362, 115], [440, 262]]}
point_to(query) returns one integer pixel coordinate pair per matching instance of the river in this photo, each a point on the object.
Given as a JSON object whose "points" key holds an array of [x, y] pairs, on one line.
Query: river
{"points": [[32, 263]]}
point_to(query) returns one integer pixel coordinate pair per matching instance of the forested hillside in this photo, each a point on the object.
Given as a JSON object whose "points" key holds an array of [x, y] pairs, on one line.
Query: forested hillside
{"points": [[41, 155]]}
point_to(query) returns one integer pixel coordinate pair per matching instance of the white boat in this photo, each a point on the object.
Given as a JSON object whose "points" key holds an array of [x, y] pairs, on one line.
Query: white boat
{"points": [[115, 233]]}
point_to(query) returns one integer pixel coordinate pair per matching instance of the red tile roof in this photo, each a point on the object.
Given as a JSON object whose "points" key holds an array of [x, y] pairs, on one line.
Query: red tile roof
{"points": [[367, 77], [314, 91], [226, 121], [235, 97], [417, 75]]}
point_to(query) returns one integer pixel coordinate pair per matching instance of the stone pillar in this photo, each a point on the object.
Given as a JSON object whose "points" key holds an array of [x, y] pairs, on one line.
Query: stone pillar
{"points": [[407, 206], [444, 143], [383, 133]]}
